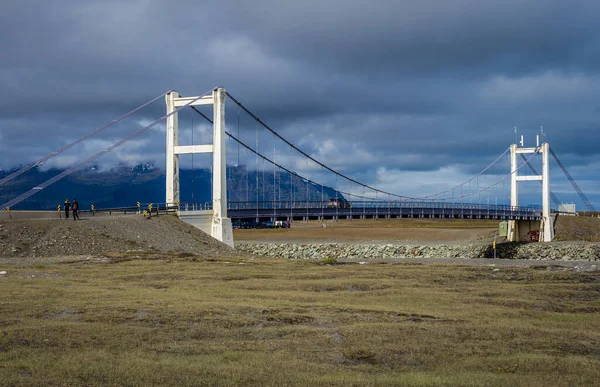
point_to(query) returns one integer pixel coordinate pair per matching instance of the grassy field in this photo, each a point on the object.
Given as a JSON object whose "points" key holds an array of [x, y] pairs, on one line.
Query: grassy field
{"points": [[192, 321]]}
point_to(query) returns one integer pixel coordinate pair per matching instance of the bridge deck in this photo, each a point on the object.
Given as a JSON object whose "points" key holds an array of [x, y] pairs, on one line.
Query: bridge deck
{"points": [[379, 213]]}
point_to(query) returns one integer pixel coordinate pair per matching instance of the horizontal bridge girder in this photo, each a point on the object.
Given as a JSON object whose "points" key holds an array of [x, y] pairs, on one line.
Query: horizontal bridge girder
{"points": [[183, 101], [467, 213], [528, 150], [529, 178], [190, 149], [192, 213]]}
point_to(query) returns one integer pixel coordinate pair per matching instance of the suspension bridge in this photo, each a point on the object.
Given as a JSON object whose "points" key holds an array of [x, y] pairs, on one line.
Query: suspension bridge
{"points": [[274, 190]]}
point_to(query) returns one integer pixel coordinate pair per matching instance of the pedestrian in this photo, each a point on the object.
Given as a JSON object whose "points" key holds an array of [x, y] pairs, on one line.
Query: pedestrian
{"points": [[67, 207], [75, 209]]}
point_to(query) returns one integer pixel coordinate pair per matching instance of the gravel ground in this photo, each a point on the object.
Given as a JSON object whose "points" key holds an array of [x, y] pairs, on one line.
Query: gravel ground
{"points": [[94, 238], [97, 236], [394, 231]]}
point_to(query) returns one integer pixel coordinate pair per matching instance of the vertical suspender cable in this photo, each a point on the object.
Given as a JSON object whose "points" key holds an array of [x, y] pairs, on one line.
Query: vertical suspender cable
{"points": [[535, 172], [306, 194], [322, 203], [337, 204], [247, 179], [238, 166], [193, 187], [256, 171], [299, 150], [212, 177], [274, 183], [238, 135]]}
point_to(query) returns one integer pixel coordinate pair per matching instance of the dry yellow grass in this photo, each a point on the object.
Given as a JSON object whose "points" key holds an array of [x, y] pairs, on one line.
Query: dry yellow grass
{"points": [[192, 321]]}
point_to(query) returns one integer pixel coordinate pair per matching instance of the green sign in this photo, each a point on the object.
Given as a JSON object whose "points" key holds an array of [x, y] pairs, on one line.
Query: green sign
{"points": [[503, 229]]}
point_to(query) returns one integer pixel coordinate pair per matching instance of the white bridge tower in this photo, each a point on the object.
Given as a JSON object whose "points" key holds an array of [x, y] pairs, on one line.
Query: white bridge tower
{"points": [[214, 222], [517, 228]]}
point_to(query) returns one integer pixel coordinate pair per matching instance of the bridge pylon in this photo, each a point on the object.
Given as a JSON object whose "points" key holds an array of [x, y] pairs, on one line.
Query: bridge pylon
{"points": [[214, 222], [517, 229]]}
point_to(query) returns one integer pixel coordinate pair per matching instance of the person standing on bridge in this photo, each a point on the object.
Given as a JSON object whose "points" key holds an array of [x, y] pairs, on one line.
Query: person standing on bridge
{"points": [[75, 210], [67, 207]]}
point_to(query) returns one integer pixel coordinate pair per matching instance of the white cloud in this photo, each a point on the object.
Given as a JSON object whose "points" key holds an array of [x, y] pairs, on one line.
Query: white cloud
{"points": [[60, 162]]}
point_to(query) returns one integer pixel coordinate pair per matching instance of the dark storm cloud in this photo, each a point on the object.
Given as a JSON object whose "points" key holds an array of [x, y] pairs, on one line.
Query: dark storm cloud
{"points": [[432, 35], [366, 84]]}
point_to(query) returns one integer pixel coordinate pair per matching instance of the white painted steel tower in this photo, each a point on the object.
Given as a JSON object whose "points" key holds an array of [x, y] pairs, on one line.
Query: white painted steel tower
{"points": [[214, 222], [547, 223]]}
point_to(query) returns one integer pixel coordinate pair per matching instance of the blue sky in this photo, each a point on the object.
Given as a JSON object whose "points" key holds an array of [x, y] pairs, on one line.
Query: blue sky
{"points": [[411, 98]]}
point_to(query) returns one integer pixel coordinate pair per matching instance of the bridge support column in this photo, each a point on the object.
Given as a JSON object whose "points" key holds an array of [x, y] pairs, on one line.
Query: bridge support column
{"points": [[220, 225], [523, 228], [547, 230], [515, 234], [172, 166]]}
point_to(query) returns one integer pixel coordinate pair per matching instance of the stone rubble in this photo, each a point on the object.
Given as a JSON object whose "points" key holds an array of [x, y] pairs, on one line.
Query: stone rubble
{"points": [[537, 251]]}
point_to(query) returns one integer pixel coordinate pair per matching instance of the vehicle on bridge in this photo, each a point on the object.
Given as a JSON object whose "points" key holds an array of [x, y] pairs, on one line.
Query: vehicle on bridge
{"points": [[338, 203], [265, 224]]}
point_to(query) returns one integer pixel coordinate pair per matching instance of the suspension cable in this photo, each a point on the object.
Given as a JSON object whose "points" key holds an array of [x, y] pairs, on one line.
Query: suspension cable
{"points": [[247, 147], [309, 156], [588, 204], [341, 175], [532, 168], [77, 166], [79, 140], [505, 177], [473, 177]]}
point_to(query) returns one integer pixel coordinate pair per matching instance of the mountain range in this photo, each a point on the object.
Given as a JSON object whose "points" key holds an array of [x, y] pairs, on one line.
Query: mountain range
{"points": [[124, 186]]}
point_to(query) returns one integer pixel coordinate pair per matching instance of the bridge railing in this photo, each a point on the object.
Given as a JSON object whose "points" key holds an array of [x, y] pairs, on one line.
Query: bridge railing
{"points": [[149, 207], [368, 205], [195, 206], [355, 207]]}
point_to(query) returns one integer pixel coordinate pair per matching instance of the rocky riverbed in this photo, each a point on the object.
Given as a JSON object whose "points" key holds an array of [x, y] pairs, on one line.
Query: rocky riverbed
{"points": [[535, 251]]}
